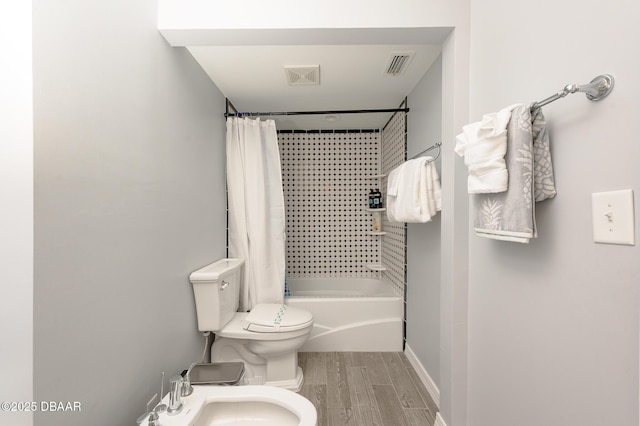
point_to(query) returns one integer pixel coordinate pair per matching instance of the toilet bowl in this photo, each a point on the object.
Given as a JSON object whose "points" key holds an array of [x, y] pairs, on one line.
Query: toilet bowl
{"points": [[266, 339]]}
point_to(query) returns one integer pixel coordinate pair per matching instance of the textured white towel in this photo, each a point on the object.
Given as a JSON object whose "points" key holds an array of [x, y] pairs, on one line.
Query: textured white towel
{"points": [[483, 145], [510, 216], [413, 191], [434, 190]]}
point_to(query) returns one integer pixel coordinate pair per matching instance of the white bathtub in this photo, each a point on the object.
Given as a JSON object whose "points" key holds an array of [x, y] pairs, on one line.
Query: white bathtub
{"points": [[349, 314]]}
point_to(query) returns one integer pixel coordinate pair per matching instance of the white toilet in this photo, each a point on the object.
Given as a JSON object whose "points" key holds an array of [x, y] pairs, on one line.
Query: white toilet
{"points": [[266, 339]]}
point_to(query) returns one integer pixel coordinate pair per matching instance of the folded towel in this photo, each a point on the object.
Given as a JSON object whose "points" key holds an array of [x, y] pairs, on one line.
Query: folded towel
{"points": [[393, 183], [434, 190], [544, 185], [401, 190], [510, 215], [414, 192], [483, 145]]}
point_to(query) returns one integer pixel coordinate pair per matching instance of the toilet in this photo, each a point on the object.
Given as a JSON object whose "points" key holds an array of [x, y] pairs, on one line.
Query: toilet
{"points": [[266, 339]]}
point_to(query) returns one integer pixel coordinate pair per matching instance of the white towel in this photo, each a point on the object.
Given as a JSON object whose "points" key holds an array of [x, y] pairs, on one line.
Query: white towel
{"points": [[414, 192], [483, 145], [434, 190]]}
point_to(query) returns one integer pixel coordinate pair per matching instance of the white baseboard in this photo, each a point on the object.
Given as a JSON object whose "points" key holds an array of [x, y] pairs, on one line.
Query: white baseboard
{"points": [[439, 421], [427, 381]]}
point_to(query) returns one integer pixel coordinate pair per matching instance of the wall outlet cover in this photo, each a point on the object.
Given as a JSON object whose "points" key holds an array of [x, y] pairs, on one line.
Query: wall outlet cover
{"points": [[613, 217]]}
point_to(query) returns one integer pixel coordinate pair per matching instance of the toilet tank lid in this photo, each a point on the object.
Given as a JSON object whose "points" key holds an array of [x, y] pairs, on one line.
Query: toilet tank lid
{"points": [[215, 270], [274, 318]]}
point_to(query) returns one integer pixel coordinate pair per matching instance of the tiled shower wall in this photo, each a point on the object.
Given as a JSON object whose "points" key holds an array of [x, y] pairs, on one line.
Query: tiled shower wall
{"points": [[326, 186], [393, 250], [327, 178]]}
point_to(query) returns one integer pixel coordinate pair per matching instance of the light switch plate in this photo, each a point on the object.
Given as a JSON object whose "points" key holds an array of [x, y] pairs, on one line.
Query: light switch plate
{"points": [[613, 217]]}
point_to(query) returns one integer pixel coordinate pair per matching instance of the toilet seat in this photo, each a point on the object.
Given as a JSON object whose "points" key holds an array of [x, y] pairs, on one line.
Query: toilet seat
{"points": [[276, 318], [261, 323]]}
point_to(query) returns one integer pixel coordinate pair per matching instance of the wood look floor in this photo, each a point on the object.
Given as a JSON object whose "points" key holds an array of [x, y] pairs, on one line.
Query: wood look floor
{"points": [[365, 389]]}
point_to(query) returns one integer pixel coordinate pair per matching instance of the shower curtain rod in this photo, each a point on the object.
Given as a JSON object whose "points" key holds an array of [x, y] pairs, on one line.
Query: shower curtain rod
{"points": [[345, 111], [268, 114], [597, 89]]}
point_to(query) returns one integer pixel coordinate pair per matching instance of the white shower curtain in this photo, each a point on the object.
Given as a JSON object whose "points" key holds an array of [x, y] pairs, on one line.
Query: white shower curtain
{"points": [[256, 209]]}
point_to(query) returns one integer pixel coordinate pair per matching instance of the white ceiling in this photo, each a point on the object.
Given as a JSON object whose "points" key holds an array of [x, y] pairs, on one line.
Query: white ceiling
{"points": [[351, 77]]}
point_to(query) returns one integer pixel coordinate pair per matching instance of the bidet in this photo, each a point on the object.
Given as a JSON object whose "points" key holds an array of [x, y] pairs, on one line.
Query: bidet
{"points": [[240, 405]]}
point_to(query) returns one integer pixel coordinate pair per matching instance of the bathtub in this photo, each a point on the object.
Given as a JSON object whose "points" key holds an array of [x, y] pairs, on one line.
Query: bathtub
{"points": [[349, 314]]}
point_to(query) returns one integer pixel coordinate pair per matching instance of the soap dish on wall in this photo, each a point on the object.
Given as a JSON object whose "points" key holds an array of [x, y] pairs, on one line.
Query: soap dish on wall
{"points": [[376, 267]]}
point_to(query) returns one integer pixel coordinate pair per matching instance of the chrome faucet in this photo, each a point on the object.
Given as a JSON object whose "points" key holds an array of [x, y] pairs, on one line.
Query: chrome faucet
{"points": [[154, 419], [152, 414], [175, 396], [187, 389]]}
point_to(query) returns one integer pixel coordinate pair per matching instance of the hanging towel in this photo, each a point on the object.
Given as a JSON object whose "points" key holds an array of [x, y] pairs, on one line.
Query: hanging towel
{"points": [[510, 215], [483, 145], [413, 191], [434, 189]]}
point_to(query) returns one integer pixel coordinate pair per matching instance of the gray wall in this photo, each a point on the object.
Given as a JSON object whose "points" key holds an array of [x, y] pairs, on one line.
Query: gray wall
{"points": [[553, 325], [129, 199], [16, 214], [424, 124]]}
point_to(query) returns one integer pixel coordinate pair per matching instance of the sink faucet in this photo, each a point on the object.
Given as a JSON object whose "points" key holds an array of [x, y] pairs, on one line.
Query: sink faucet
{"points": [[187, 389], [154, 419], [175, 392], [152, 414]]}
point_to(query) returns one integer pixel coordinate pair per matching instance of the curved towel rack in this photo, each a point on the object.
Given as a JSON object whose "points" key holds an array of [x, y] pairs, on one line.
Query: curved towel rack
{"points": [[434, 146], [597, 89]]}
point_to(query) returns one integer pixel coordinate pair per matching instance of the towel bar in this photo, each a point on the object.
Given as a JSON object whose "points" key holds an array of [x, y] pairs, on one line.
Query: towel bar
{"points": [[597, 89], [435, 145]]}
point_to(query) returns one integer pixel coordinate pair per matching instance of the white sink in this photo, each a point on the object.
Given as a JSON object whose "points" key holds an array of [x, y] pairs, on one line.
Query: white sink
{"points": [[241, 406]]}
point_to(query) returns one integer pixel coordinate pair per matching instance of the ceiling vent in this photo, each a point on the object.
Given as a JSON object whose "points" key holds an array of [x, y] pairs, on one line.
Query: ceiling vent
{"points": [[398, 63], [303, 76]]}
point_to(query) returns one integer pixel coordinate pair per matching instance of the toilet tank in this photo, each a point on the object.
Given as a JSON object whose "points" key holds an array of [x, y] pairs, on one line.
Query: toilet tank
{"points": [[216, 289]]}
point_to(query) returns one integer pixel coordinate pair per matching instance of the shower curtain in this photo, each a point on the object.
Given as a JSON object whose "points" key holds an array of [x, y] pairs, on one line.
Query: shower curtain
{"points": [[256, 209]]}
